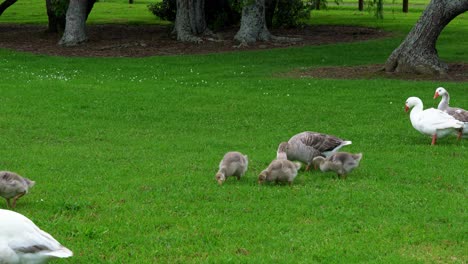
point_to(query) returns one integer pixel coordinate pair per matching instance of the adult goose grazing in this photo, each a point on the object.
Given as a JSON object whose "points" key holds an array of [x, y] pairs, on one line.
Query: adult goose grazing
{"points": [[21, 241], [13, 186], [307, 145], [459, 113], [432, 122], [341, 162]]}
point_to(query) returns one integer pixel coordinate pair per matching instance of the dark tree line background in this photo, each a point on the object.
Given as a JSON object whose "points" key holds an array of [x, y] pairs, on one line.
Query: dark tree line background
{"points": [[193, 20]]}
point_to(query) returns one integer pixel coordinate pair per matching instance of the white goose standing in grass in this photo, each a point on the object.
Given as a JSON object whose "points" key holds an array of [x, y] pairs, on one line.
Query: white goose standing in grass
{"points": [[432, 122], [233, 164], [21, 241], [458, 113], [341, 162], [13, 186], [307, 145]]}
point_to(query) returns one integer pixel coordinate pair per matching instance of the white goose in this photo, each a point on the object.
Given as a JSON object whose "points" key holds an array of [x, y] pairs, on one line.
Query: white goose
{"points": [[432, 122], [307, 145], [21, 241], [459, 113]]}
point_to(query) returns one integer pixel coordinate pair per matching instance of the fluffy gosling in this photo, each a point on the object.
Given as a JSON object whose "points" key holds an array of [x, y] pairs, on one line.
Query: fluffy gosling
{"points": [[233, 164], [280, 170], [341, 162], [13, 186]]}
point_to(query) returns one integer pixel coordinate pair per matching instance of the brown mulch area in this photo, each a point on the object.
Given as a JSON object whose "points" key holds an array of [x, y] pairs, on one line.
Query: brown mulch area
{"points": [[156, 40], [458, 72]]}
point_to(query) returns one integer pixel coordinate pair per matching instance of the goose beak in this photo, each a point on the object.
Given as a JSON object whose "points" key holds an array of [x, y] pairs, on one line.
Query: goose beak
{"points": [[436, 95], [220, 182], [406, 108]]}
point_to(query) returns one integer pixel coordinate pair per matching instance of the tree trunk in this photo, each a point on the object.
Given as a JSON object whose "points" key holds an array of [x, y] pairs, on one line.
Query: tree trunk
{"points": [[253, 25], [405, 6], [89, 7], [75, 27], [56, 23], [270, 7], [417, 53], [190, 20], [5, 4], [361, 5]]}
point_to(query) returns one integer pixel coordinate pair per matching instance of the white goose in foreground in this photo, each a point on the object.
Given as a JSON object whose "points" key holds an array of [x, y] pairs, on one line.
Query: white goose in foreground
{"points": [[280, 170], [21, 241], [233, 164], [459, 113], [341, 162], [13, 186], [432, 122], [307, 145]]}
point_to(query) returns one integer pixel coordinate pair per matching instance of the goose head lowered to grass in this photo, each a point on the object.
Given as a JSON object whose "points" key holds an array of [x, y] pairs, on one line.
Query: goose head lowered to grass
{"points": [[13, 186], [431, 122], [233, 164], [307, 145], [341, 162], [279, 170]]}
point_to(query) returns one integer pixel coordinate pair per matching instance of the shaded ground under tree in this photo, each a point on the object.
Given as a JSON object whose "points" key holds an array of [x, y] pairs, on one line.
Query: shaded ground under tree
{"points": [[155, 40]]}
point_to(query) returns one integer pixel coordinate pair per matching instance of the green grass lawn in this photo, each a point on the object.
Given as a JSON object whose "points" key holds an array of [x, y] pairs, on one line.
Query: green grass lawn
{"points": [[124, 153]]}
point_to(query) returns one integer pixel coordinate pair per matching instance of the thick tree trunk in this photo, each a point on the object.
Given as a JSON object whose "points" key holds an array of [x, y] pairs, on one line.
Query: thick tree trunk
{"points": [[417, 53], [190, 20], [5, 4], [361, 5], [56, 23], [405, 6], [253, 25], [270, 7], [75, 27]]}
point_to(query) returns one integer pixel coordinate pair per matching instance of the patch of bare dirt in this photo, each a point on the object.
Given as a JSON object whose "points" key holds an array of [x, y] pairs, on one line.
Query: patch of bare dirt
{"points": [[155, 40], [458, 72]]}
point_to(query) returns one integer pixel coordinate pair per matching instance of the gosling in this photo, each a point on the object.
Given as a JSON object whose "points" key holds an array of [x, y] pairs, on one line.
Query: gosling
{"points": [[341, 162], [233, 164], [280, 170], [13, 186]]}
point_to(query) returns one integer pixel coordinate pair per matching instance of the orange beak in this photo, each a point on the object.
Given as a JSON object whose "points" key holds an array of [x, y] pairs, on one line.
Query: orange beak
{"points": [[436, 95], [406, 108]]}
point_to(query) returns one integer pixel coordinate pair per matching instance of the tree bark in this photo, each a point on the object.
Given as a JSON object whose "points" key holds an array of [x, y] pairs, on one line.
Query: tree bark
{"points": [[253, 24], [270, 7], [405, 6], [75, 27], [56, 23], [361, 5], [417, 53], [5, 4], [190, 20]]}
